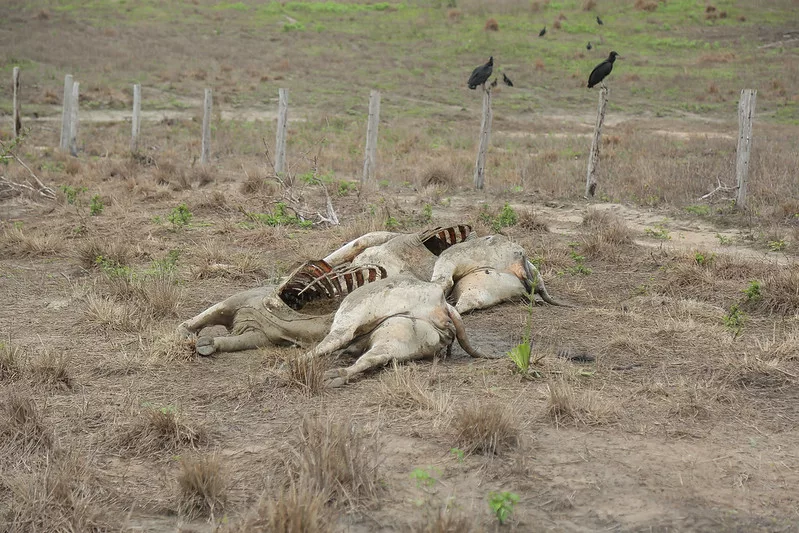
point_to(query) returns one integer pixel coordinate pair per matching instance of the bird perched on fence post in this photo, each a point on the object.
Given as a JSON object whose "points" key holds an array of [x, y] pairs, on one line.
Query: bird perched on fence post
{"points": [[602, 70], [481, 74]]}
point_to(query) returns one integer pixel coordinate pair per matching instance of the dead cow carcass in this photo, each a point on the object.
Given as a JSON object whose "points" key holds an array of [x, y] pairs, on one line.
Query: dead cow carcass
{"points": [[400, 318], [400, 253], [297, 312], [485, 271]]}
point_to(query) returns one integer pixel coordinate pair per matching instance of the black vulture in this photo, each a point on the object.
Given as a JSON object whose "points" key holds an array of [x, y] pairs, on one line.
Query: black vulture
{"points": [[602, 70], [481, 74], [599, 20], [507, 80], [542, 32], [588, 46]]}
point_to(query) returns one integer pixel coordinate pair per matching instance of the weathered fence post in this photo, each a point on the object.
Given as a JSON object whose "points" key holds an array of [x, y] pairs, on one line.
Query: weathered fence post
{"points": [[73, 119], [593, 158], [746, 113], [136, 119], [15, 103], [485, 136], [370, 158], [65, 114], [282, 126], [205, 153]]}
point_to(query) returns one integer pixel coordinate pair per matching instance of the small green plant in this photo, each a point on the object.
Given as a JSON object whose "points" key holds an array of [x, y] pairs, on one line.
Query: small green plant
{"points": [[346, 187], [72, 193], [579, 262], [502, 504], [164, 266], [701, 210], [293, 26], [658, 232], [427, 213], [96, 206], [279, 217], [112, 268], [457, 453], [521, 354], [723, 239], [507, 217], [704, 260], [180, 216], [734, 320], [752, 291], [777, 246], [423, 478], [392, 223]]}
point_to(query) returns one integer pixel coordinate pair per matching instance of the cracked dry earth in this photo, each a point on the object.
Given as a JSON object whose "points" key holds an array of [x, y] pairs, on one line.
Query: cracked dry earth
{"points": [[677, 426]]}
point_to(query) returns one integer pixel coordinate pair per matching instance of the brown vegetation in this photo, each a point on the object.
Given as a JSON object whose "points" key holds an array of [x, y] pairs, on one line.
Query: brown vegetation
{"points": [[646, 5], [491, 25], [202, 487], [486, 427]]}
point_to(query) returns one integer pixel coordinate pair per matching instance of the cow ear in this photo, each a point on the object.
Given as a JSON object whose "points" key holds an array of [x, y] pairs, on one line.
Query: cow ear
{"points": [[311, 283], [439, 239]]}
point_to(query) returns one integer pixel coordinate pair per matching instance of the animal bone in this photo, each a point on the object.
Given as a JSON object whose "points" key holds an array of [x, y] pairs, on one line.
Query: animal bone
{"points": [[482, 272], [271, 315], [396, 319]]}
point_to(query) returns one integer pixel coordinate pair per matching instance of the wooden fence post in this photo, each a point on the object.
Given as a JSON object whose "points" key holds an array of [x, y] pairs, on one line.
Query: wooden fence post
{"points": [[593, 158], [369, 160], [485, 136], [73, 120], [282, 126], [15, 103], [65, 114], [746, 113], [205, 153], [136, 119]]}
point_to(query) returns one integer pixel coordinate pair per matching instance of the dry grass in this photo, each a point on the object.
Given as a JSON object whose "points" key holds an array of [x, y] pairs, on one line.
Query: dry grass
{"points": [[65, 497], [604, 235], [404, 388], [491, 25], [530, 220], [296, 509], [161, 429], [18, 242], [486, 427], [52, 369], [12, 361], [91, 252], [333, 458], [446, 519], [306, 374], [22, 426], [588, 5], [645, 5], [781, 291], [110, 314], [174, 348], [566, 406], [202, 487]]}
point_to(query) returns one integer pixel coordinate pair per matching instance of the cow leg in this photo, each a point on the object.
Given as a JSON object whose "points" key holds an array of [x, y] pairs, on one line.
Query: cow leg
{"points": [[234, 343], [222, 313], [399, 339]]}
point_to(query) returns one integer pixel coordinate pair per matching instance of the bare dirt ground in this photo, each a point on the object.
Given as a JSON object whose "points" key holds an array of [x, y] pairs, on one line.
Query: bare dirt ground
{"points": [[678, 425]]}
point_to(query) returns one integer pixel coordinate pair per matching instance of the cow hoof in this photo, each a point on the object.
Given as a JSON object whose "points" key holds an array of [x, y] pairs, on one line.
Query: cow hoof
{"points": [[205, 346], [335, 383]]}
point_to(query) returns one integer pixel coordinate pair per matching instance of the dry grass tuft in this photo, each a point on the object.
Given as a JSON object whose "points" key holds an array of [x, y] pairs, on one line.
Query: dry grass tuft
{"points": [[487, 428], [539, 64], [306, 374], [605, 235], [531, 221], [174, 348], [203, 487], [334, 459], [66, 496], [159, 429], [454, 15], [556, 25], [161, 294], [90, 253], [491, 25], [110, 314], [437, 175], [588, 5], [405, 388], [297, 509], [22, 426], [645, 5], [781, 291], [52, 369], [566, 406], [12, 361], [17, 242]]}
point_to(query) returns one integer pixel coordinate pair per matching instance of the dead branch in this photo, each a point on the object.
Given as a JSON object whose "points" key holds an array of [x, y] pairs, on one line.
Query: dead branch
{"points": [[42, 189], [720, 188]]}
